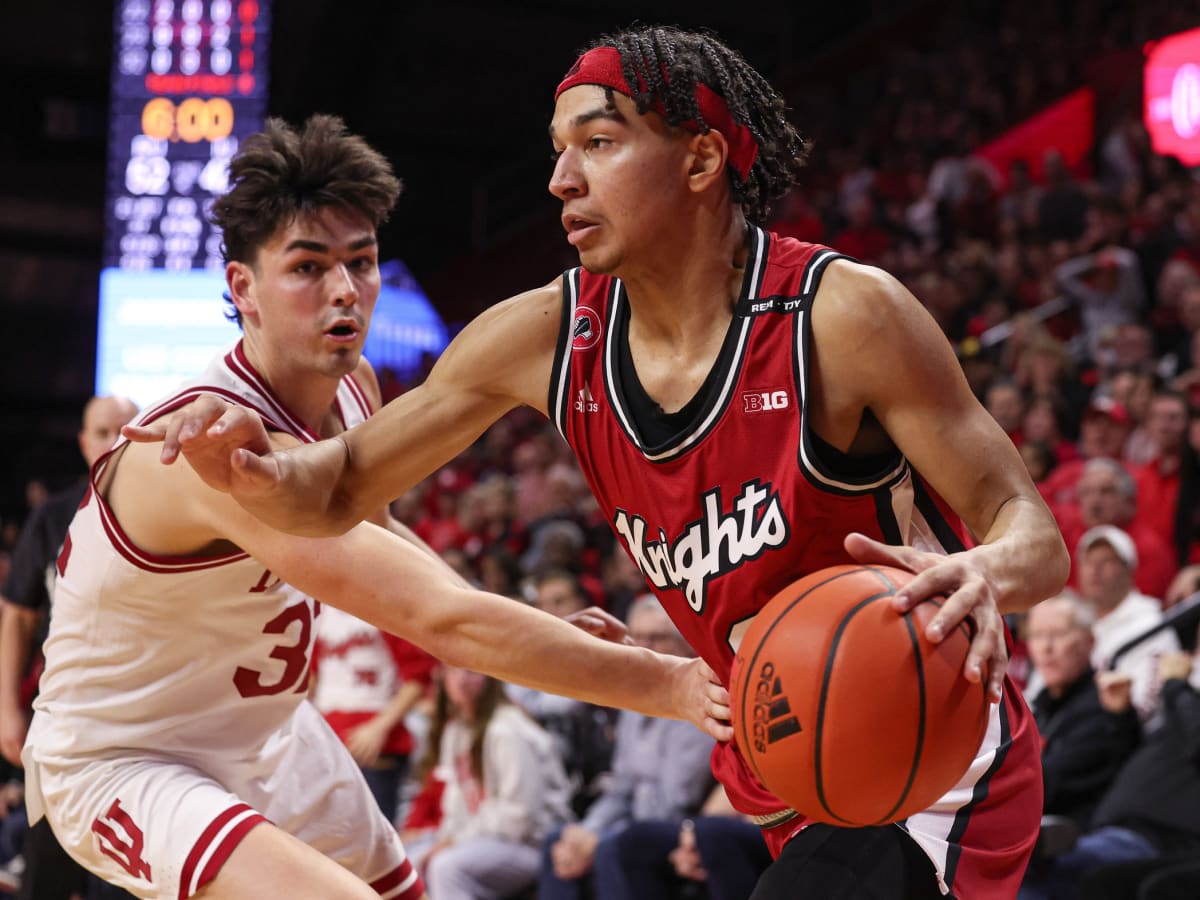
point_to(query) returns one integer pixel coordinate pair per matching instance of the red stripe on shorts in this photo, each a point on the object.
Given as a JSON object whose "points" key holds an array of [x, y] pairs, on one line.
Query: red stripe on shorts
{"points": [[386, 885], [226, 847]]}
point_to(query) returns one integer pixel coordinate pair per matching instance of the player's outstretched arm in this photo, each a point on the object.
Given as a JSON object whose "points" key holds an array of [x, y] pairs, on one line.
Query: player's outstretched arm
{"points": [[211, 432], [878, 349], [501, 360], [382, 578]]}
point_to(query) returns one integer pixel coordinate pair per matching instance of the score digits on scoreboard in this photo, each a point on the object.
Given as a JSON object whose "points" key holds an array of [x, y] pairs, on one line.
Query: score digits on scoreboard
{"points": [[189, 82]]}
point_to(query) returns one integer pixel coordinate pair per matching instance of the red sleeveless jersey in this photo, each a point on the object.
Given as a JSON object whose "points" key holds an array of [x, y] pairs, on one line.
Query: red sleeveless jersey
{"points": [[739, 504]]}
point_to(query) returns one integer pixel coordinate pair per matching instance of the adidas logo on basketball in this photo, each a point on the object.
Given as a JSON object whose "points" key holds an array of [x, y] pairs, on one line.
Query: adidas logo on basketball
{"points": [[773, 719]]}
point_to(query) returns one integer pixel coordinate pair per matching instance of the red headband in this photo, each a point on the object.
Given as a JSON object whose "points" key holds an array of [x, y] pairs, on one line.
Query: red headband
{"points": [[602, 66]]}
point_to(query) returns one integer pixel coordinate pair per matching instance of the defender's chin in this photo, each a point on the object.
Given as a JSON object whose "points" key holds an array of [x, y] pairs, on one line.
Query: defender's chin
{"points": [[344, 361]]}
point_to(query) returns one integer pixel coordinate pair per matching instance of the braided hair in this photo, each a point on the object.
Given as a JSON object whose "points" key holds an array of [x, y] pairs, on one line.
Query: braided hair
{"points": [[671, 62]]}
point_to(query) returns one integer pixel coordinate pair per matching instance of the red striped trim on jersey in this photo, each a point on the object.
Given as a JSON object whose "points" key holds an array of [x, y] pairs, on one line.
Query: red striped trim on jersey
{"points": [[402, 883], [152, 562], [963, 817], [187, 396], [562, 353], [240, 365], [710, 415], [810, 463], [120, 541], [214, 847], [360, 397]]}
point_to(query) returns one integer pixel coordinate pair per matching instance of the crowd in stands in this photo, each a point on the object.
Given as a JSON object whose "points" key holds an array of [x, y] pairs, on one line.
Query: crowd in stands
{"points": [[1072, 296]]}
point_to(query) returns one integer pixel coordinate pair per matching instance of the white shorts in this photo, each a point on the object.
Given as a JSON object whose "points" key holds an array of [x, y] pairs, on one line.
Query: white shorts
{"points": [[161, 827]]}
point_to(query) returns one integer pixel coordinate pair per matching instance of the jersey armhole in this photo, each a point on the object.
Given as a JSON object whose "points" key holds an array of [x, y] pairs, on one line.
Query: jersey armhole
{"points": [[812, 465], [560, 372]]}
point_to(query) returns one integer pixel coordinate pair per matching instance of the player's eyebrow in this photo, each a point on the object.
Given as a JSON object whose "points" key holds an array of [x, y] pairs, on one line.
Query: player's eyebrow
{"points": [[608, 111], [318, 247]]}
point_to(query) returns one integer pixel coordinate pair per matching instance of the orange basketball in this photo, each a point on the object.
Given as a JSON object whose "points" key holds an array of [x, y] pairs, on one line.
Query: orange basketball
{"points": [[844, 709]]}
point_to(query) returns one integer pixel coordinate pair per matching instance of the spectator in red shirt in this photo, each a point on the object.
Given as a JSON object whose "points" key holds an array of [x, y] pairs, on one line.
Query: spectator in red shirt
{"points": [[1187, 508], [1134, 388], [442, 529], [1158, 480], [1042, 423], [798, 219], [862, 238], [976, 215], [1108, 496], [1105, 427]]}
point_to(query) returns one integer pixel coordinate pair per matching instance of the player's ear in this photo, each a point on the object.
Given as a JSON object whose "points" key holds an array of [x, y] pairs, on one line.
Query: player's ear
{"points": [[240, 278], [706, 161]]}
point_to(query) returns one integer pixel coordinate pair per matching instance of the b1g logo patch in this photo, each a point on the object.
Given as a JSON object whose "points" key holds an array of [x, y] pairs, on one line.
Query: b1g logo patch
{"points": [[585, 330], [764, 401]]}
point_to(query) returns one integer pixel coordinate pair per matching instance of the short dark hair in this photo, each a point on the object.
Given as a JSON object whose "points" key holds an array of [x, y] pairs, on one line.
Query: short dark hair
{"points": [[670, 62], [280, 173]]}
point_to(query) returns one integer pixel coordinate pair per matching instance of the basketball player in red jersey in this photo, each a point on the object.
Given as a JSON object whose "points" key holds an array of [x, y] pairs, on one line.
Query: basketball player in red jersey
{"points": [[746, 408], [173, 749]]}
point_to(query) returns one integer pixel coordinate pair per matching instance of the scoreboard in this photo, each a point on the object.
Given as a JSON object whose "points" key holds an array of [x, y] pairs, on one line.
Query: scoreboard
{"points": [[189, 81]]}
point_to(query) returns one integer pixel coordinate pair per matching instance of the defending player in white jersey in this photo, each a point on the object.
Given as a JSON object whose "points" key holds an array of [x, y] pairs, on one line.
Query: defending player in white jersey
{"points": [[173, 750]]}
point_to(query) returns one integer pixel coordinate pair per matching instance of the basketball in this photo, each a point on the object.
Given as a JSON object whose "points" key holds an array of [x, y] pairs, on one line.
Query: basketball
{"points": [[844, 709]]}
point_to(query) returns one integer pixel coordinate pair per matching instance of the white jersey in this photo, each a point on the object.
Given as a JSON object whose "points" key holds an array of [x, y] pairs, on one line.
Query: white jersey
{"points": [[1133, 616], [176, 654], [356, 669]]}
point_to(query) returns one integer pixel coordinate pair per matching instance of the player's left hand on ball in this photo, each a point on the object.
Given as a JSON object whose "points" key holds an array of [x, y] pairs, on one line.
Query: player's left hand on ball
{"points": [[967, 593]]}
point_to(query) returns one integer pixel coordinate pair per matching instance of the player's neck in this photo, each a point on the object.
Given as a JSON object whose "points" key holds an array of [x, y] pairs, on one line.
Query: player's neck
{"points": [[307, 394], [690, 284]]}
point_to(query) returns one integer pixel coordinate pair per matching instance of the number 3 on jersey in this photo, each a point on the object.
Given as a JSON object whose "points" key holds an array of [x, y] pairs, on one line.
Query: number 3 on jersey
{"points": [[250, 682]]}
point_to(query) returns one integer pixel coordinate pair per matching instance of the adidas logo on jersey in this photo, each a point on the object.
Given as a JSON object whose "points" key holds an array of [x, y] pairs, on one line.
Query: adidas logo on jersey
{"points": [[773, 719], [584, 401]]}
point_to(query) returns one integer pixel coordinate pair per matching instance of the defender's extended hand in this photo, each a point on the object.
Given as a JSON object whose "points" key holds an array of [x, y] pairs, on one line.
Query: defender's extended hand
{"points": [[706, 700], [968, 594], [601, 624], [224, 443]]}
